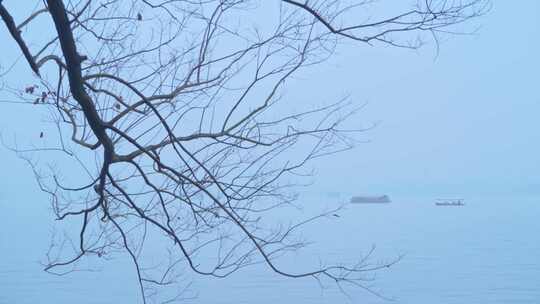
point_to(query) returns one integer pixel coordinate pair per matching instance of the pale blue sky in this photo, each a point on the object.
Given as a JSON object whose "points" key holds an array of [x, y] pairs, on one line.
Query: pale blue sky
{"points": [[464, 122]]}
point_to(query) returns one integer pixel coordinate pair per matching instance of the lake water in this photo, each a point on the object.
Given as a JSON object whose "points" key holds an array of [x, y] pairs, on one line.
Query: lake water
{"points": [[485, 252]]}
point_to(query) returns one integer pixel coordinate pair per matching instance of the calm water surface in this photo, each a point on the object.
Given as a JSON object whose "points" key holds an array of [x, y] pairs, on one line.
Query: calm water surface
{"points": [[485, 252]]}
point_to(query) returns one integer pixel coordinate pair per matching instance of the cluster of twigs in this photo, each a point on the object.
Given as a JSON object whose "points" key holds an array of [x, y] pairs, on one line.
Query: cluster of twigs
{"points": [[175, 126]]}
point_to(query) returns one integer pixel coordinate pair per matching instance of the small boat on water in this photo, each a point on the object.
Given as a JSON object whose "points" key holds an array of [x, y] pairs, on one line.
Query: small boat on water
{"points": [[450, 202], [370, 199]]}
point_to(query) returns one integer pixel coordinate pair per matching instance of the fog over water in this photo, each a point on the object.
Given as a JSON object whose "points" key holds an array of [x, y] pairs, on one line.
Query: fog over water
{"points": [[463, 123], [484, 252]]}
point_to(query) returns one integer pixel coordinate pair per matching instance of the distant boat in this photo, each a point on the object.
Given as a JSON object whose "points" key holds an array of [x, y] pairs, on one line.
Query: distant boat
{"points": [[370, 199], [450, 202]]}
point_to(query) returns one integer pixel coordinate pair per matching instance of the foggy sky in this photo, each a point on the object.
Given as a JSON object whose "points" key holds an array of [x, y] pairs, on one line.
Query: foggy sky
{"points": [[464, 121]]}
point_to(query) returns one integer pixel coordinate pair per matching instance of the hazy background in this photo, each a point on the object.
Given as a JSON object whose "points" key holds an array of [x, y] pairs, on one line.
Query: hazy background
{"points": [[463, 123]]}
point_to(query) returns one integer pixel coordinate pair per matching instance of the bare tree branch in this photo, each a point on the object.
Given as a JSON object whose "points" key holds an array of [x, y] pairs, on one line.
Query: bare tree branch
{"points": [[176, 138]]}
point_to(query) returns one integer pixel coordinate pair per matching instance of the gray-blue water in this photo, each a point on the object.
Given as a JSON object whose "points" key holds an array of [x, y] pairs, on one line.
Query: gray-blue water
{"points": [[485, 252]]}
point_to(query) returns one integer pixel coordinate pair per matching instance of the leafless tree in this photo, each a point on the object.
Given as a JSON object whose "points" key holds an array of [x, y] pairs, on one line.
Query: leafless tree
{"points": [[174, 128]]}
